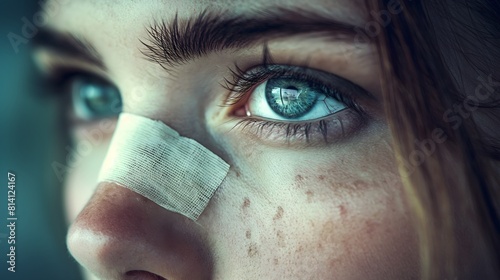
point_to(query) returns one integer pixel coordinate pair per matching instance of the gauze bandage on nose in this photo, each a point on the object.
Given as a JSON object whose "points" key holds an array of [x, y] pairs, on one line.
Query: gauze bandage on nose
{"points": [[154, 161]]}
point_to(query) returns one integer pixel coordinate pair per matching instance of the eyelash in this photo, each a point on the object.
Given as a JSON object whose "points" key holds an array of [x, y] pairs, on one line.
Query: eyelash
{"points": [[243, 82], [57, 78]]}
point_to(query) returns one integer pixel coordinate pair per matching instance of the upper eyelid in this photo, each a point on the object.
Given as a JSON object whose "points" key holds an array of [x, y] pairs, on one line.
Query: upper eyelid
{"points": [[52, 65], [241, 80], [68, 45], [62, 75]]}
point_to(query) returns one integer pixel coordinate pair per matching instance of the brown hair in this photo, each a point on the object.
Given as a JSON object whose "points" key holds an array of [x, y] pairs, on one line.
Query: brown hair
{"points": [[436, 57]]}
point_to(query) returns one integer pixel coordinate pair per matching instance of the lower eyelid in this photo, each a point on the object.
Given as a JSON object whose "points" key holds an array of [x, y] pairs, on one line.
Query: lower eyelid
{"points": [[332, 129]]}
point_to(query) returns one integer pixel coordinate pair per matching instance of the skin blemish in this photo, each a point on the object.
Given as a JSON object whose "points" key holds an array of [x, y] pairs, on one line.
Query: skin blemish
{"points": [[300, 249], [299, 178], [299, 181], [310, 195], [281, 238], [360, 185], [248, 234], [370, 227], [342, 211], [350, 187], [320, 246], [246, 203], [321, 177], [252, 250], [276, 261], [335, 262], [279, 213]]}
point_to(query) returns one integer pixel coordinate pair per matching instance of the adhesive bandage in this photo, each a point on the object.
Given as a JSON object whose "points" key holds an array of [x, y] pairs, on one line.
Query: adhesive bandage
{"points": [[153, 160]]}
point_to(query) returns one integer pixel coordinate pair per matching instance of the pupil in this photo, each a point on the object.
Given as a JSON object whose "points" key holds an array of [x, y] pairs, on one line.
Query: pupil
{"points": [[290, 98]]}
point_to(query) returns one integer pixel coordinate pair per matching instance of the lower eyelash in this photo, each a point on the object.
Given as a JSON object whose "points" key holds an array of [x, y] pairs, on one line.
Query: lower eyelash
{"points": [[291, 130], [328, 130]]}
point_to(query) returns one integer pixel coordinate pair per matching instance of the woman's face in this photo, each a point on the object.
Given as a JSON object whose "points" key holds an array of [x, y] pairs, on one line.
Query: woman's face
{"points": [[313, 190]]}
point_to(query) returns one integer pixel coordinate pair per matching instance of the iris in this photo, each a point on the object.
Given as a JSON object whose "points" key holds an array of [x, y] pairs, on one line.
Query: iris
{"points": [[93, 99], [290, 98]]}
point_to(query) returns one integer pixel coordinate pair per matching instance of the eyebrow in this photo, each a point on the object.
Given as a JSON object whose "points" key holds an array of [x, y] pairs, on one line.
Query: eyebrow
{"points": [[180, 41], [69, 45]]}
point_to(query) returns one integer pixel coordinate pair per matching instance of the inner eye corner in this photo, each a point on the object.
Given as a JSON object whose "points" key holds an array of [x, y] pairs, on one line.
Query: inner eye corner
{"points": [[239, 106]]}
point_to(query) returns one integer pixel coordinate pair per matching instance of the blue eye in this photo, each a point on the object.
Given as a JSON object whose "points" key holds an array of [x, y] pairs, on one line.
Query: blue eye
{"points": [[291, 99], [286, 102], [93, 98]]}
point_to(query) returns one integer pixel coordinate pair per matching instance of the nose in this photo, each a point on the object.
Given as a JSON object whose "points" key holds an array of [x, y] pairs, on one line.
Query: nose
{"points": [[122, 235]]}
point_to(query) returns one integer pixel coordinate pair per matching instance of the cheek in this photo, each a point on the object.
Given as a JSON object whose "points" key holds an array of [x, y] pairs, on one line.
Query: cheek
{"points": [[81, 178], [368, 235], [362, 234], [342, 214]]}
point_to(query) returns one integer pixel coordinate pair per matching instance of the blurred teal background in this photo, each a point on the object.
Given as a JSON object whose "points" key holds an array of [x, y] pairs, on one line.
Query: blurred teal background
{"points": [[30, 140]]}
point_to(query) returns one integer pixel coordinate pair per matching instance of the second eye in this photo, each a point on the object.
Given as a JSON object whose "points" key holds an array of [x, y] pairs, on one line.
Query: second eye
{"points": [[93, 98]]}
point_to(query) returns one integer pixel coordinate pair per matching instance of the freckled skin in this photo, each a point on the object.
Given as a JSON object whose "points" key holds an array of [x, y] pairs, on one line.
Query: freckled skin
{"points": [[279, 213], [310, 195], [246, 204], [252, 250], [283, 212], [342, 210], [299, 178]]}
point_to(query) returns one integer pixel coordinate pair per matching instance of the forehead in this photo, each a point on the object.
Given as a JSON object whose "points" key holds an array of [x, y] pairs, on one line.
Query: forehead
{"points": [[116, 27], [93, 15]]}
